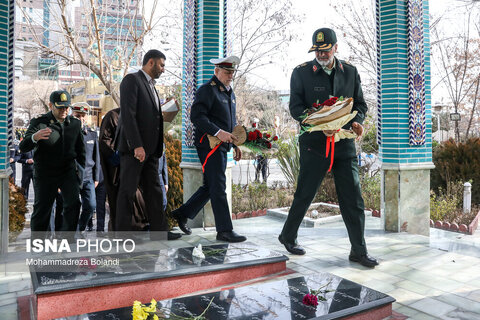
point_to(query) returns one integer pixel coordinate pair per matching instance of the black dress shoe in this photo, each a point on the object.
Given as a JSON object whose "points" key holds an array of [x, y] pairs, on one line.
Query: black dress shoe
{"points": [[182, 222], [364, 260], [173, 236], [292, 248], [230, 236]]}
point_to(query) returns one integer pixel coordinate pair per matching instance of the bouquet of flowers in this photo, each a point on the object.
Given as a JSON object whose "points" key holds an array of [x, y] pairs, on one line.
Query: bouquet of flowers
{"points": [[258, 141], [334, 114]]}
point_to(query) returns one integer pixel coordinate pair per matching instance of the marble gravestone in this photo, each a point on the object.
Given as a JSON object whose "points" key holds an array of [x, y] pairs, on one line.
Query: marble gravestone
{"points": [[163, 273], [281, 299]]}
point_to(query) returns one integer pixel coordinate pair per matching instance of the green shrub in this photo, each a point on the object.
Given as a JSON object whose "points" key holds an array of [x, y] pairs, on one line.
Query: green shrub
{"points": [[457, 162], [446, 205], [255, 196], [371, 191], [327, 191], [288, 156]]}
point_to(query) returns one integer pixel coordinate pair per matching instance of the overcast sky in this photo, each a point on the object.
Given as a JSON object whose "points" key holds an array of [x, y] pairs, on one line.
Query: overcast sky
{"points": [[316, 14]]}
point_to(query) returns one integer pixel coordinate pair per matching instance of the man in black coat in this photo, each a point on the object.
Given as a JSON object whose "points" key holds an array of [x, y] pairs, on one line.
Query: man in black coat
{"points": [[213, 113], [312, 82], [140, 145], [59, 159]]}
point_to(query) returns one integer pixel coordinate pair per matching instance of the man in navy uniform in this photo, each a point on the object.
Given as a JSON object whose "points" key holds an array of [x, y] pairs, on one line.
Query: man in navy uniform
{"points": [[14, 157], [313, 81], [91, 175], [213, 112], [59, 157], [26, 159]]}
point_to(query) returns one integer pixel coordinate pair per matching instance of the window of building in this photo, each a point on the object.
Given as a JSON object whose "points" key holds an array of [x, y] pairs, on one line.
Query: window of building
{"points": [[24, 29]]}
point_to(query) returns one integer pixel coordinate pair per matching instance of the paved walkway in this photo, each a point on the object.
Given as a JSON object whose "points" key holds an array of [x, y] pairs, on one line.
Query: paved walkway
{"points": [[431, 278]]}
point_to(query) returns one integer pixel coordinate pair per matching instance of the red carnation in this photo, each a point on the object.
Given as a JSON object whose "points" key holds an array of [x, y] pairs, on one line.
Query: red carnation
{"points": [[269, 145], [310, 300], [259, 134], [267, 135], [275, 138], [251, 136], [254, 125]]}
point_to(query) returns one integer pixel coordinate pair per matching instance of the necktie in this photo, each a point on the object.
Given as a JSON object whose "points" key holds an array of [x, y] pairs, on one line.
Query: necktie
{"points": [[152, 86]]}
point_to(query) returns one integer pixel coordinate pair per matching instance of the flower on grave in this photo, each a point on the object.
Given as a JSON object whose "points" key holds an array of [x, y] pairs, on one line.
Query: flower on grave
{"points": [[310, 300], [142, 312]]}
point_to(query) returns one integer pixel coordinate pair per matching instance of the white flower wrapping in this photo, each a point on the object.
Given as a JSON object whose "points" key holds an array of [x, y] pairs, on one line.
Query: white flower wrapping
{"points": [[333, 118], [336, 125]]}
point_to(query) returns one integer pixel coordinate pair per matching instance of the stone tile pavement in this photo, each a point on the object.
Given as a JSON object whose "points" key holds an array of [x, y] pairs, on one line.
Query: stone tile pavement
{"points": [[436, 277]]}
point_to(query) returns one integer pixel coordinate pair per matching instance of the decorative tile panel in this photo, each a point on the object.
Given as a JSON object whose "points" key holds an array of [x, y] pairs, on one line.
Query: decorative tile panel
{"points": [[416, 72], [404, 123]]}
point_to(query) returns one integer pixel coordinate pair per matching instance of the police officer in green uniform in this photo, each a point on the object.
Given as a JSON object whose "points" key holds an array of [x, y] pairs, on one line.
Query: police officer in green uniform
{"points": [[316, 81], [59, 156]]}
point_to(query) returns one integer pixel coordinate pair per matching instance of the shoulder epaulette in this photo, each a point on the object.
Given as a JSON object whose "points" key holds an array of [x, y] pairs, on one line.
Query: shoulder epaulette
{"points": [[213, 83], [302, 65], [347, 62]]}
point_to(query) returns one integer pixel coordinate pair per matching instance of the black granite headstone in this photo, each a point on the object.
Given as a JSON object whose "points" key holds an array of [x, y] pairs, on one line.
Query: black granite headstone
{"points": [[280, 299]]}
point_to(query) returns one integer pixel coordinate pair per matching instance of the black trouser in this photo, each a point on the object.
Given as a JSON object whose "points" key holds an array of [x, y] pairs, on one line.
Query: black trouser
{"points": [[213, 189], [313, 167], [46, 188], [27, 176], [134, 173], [101, 197]]}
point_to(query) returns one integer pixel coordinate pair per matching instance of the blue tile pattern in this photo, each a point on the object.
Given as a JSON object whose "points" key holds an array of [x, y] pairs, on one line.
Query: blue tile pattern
{"points": [[205, 38], [404, 107], [7, 23]]}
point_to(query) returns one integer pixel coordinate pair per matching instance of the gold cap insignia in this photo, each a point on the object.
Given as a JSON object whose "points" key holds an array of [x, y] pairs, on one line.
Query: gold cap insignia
{"points": [[63, 97], [320, 37]]}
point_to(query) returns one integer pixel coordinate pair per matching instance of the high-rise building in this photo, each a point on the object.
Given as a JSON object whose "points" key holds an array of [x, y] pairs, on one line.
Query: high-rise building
{"points": [[37, 24]]}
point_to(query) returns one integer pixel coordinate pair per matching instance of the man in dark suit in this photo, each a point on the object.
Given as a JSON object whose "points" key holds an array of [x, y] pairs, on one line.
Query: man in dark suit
{"points": [[314, 81], [213, 113], [140, 145]]}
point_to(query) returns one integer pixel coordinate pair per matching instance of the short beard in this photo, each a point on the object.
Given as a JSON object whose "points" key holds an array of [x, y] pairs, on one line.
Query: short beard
{"points": [[324, 63]]}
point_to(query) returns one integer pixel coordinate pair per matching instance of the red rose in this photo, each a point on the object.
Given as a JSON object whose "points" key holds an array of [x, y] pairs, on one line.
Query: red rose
{"points": [[315, 105], [267, 135], [330, 102], [254, 125], [252, 136], [258, 133], [269, 145], [275, 138], [310, 300]]}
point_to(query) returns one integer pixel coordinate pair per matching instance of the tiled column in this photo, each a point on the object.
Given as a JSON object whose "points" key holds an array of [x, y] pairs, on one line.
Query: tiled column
{"points": [[404, 114], [204, 38], [6, 111]]}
